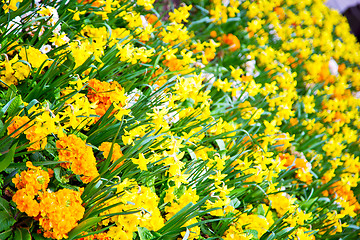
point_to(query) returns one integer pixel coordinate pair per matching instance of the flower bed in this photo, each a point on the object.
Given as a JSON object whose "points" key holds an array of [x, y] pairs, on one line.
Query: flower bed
{"points": [[218, 120]]}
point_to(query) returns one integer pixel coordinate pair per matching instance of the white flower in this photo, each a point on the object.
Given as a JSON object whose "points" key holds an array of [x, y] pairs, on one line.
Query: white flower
{"points": [[209, 77], [250, 66], [333, 67], [26, 14], [198, 64], [45, 49], [244, 96], [66, 38], [54, 14], [144, 21], [37, 3], [172, 117], [57, 29], [225, 2]]}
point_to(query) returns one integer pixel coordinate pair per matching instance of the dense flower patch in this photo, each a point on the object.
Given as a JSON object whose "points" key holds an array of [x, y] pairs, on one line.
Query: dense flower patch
{"points": [[220, 120]]}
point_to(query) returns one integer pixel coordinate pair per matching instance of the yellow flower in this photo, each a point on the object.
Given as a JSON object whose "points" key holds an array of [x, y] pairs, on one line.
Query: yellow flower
{"points": [[180, 14], [11, 5], [270, 127], [34, 57], [148, 4], [59, 39], [77, 13], [141, 161], [134, 197]]}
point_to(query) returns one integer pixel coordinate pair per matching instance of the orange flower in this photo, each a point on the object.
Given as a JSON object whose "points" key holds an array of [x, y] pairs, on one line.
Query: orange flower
{"points": [[151, 18], [287, 158], [174, 64], [18, 123], [293, 122], [60, 211], [37, 137], [247, 140], [341, 68], [77, 156], [104, 94], [33, 180], [280, 12], [245, 78], [98, 236], [232, 41], [158, 79], [95, 3], [283, 142], [25, 202], [30, 183], [105, 147], [213, 34], [339, 189], [37, 131]]}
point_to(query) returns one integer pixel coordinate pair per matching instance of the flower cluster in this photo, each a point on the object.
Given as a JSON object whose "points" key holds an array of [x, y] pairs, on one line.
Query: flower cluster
{"points": [[57, 212], [220, 119], [60, 212], [137, 198], [105, 94], [29, 183], [76, 155]]}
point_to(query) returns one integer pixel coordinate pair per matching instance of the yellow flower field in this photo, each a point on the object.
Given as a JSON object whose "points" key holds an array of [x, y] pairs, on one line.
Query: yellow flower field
{"points": [[216, 120]]}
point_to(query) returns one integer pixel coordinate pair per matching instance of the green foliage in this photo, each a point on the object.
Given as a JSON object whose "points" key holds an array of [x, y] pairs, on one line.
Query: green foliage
{"points": [[235, 120]]}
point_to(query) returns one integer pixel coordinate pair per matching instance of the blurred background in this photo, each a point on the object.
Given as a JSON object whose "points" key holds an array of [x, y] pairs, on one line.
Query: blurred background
{"points": [[351, 10]]}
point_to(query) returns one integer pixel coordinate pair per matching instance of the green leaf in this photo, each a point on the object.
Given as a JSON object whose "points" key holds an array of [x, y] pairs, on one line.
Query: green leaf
{"points": [[5, 160], [57, 173], [22, 234], [235, 203], [38, 237], [308, 203], [222, 147], [354, 227], [173, 222], [83, 226], [150, 182], [271, 236], [6, 234], [192, 154], [144, 234], [11, 92], [174, 225], [285, 232], [14, 106], [2, 128], [252, 231], [6, 221], [5, 108], [81, 135], [260, 210]]}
